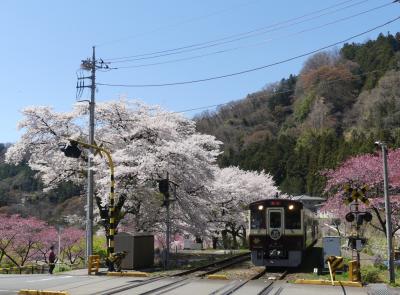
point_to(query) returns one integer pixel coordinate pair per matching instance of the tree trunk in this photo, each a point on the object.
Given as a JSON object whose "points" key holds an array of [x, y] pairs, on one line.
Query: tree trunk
{"points": [[225, 241], [214, 242], [234, 239]]}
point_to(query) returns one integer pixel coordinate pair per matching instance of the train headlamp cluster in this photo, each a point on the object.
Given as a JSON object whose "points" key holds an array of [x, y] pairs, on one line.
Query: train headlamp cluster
{"points": [[260, 207], [275, 253], [291, 207]]}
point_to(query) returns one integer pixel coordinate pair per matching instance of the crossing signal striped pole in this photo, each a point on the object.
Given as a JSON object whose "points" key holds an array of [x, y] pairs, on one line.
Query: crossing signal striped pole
{"points": [[111, 207]]}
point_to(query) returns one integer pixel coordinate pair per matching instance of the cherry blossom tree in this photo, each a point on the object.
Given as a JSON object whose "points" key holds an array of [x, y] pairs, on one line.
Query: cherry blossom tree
{"points": [[232, 191], [47, 237], [365, 170], [72, 246], [21, 238], [146, 144], [29, 239]]}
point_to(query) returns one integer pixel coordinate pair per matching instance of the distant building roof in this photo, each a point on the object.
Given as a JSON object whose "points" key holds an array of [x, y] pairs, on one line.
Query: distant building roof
{"points": [[310, 202], [307, 198]]}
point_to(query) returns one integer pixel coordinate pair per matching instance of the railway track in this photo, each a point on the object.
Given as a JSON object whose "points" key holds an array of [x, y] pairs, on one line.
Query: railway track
{"points": [[183, 277], [236, 285]]}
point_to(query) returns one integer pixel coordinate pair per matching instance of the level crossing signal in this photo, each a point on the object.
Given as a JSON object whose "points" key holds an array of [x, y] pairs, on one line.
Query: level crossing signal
{"points": [[163, 186], [335, 262], [361, 216], [355, 194]]}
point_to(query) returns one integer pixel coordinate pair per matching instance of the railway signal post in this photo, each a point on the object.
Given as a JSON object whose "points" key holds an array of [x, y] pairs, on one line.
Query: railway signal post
{"points": [[352, 197], [73, 151], [163, 186]]}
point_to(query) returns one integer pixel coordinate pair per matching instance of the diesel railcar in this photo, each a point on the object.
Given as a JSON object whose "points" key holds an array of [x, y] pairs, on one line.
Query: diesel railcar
{"points": [[280, 231]]}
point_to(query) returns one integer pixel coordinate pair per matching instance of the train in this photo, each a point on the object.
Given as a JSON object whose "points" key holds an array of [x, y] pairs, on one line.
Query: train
{"points": [[280, 230]]}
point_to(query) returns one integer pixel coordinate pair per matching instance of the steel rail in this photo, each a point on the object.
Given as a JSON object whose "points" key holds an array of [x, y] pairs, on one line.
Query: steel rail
{"points": [[230, 263], [222, 261], [254, 277], [126, 287], [240, 284]]}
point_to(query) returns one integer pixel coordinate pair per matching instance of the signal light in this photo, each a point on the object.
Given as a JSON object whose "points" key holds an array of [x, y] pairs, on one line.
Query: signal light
{"points": [[163, 186], [260, 207], [350, 217], [291, 207], [361, 217], [71, 150], [367, 216]]}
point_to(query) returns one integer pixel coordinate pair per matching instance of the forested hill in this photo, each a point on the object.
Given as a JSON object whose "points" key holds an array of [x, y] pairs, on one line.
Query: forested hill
{"points": [[338, 105], [22, 193]]}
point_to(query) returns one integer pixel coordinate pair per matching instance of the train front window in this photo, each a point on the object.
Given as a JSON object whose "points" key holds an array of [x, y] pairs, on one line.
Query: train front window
{"points": [[275, 219], [257, 219], [293, 219]]}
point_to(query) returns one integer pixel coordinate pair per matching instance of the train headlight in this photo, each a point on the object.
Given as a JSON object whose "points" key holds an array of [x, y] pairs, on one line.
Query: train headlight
{"points": [[260, 207], [291, 207]]}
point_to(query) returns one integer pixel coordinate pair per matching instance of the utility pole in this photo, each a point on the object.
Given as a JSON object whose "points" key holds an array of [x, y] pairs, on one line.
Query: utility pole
{"points": [[89, 213], [90, 65], [167, 202], [388, 212]]}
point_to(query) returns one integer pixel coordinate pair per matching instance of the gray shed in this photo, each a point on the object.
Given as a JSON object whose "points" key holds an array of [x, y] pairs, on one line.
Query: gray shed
{"points": [[140, 248]]}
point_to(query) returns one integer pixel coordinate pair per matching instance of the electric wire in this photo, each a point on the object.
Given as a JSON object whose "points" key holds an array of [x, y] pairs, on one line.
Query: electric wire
{"points": [[354, 77], [218, 12], [254, 44], [233, 38], [253, 69]]}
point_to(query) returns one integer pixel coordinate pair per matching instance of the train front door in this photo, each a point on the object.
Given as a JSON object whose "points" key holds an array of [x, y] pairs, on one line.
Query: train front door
{"points": [[275, 222]]}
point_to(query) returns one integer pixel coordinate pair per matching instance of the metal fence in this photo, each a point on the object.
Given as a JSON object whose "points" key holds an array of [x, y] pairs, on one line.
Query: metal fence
{"points": [[39, 268]]}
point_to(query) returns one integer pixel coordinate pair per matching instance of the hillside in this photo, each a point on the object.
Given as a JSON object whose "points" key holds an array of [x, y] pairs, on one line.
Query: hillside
{"points": [[22, 193], [339, 104]]}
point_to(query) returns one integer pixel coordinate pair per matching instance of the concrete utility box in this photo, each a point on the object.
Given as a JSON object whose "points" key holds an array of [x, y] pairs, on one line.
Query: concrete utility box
{"points": [[191, 245], [140, 248], [331, 247]]}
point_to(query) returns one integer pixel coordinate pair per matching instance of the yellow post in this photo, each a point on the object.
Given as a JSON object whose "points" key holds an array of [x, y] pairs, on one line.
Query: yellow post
{"points": [[331, 273], [354, 272], [93, 264]]}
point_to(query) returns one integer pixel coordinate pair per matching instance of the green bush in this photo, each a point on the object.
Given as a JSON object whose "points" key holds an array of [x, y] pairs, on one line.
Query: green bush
{"points": [[371, 275], [100, 246]]}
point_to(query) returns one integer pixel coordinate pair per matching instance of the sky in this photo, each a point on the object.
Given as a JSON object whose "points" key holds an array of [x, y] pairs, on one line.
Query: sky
{"points": [[43, 43]]}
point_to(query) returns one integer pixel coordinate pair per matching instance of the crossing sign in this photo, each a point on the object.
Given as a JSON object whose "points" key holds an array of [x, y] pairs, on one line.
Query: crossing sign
{"points": [[355, 194], [334, 263]]}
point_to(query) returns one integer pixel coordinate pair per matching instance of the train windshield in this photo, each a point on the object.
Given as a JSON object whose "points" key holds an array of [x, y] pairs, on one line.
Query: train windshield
{"points": [[275, 219], [293, 219], [257, 219]]}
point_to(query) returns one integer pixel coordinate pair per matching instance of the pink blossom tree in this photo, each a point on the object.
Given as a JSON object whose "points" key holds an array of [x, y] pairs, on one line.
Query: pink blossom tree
{"points": [[20, 238], [365, 170], [71, 244], [47, 237]]}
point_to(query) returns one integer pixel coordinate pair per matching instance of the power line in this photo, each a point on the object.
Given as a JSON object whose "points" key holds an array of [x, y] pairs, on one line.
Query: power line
{"points": [[275, 93], [253, 69], [221, 11], [233, 38], [254, 44], [354, 77]]}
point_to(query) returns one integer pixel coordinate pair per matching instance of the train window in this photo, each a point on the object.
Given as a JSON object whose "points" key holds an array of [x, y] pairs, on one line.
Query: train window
{"points": [[257, 219], [275, 219], [293, 219]]}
